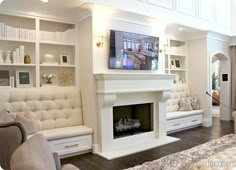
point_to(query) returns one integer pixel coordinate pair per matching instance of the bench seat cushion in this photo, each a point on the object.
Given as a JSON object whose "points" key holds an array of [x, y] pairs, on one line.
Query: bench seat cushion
{"points": [[66, 132], [179, 114]]}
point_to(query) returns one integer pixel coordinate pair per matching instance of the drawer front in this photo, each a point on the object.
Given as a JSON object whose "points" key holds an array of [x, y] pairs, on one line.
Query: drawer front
{"points": [[194, 120], [175, 124], [71, 145]]}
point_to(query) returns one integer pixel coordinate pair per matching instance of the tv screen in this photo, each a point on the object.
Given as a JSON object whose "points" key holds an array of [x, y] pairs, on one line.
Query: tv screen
{"points": [[133, 51]]}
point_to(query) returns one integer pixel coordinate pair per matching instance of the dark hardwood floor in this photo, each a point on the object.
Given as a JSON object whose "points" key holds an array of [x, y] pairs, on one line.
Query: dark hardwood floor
{"points": [[189, 138]]}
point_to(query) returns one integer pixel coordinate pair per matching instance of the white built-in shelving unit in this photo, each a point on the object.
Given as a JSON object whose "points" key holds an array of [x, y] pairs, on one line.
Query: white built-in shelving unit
{"points": [[175, 61], [40, 36]]}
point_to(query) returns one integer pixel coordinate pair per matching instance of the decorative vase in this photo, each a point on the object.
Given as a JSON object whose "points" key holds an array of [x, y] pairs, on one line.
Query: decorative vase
{"points": [[48, 57], [8, 57], [49, 81], [1, 58], [27, 59]]}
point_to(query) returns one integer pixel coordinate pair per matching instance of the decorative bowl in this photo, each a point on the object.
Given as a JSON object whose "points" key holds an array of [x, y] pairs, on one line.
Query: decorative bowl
{"points": [[48, 57]]}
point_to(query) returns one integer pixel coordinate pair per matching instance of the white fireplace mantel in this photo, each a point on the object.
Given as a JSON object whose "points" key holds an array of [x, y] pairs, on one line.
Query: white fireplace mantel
{"points": [[116, 89], [132, 82]]}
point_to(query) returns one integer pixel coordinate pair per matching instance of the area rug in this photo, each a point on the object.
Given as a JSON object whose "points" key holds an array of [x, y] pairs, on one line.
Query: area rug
{"points": [[185, 160]]}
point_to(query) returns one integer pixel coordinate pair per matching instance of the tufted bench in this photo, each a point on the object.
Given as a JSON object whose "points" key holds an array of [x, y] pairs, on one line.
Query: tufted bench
{"points": [[57, 112], [179, 120]]}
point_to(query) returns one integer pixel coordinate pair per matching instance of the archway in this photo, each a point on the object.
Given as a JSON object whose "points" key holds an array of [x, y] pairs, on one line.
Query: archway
{"points": [[225, 84]]}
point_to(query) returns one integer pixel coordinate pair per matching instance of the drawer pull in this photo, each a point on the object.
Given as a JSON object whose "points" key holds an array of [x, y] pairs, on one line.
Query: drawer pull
{"points": [[70, 146], [194, 120], [177, 124]]}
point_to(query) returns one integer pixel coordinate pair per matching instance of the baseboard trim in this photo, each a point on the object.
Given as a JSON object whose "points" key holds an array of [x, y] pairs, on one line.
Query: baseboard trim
{"points": [[207, 122], [95, 148]]}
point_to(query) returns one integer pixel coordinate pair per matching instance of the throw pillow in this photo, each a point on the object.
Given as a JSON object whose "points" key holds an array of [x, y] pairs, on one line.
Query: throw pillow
{"points": [[185, 104], [5, 117], [195, 103], [29, 125]]}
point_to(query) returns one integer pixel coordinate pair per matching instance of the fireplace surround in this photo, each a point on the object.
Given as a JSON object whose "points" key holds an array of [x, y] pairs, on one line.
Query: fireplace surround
{"points": [[122, 89]]}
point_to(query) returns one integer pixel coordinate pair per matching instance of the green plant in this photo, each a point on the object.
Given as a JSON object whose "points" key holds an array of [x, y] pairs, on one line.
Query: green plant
{"points": [[214, 81]]}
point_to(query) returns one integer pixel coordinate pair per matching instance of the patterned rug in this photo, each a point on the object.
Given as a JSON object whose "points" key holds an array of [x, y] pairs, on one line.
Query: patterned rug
{"points": [[185, 160]]}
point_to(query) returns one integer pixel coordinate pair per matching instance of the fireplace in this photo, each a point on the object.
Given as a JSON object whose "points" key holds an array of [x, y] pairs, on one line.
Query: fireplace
{"points": [[119, 96], [132, 119]]}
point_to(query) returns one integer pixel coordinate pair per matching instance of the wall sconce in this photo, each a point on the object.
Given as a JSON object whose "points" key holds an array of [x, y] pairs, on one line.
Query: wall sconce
{"points": [[100, 43]]}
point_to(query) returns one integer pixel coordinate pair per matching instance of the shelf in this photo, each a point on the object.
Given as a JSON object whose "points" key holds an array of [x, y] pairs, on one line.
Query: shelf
{"points": [[177, 69], [56, 65], [15, 40], [20, 65], [175, 55], [57, 43]]}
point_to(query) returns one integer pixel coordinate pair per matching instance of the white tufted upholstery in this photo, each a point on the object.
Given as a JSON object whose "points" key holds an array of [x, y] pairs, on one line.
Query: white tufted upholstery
{"points": [[52, 107], [223, 160], [179, 120], [177, 92]]}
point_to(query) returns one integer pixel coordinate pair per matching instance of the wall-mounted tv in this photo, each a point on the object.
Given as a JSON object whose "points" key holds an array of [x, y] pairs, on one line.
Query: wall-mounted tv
{"points": [[132, 51]]}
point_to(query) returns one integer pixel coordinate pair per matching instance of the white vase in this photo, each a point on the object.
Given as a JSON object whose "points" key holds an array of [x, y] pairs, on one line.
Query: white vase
{"points": [[1, 58], [8, 57]]}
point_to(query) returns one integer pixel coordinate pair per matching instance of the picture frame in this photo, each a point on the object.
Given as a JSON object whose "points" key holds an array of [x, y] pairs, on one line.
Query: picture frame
{"points": [[64, 59], [23, 78], [177, 64], [172, 64]]}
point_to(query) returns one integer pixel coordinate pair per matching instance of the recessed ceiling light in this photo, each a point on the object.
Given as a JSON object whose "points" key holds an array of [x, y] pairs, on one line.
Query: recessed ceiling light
{"points": [[44, 0], [180, 29]]}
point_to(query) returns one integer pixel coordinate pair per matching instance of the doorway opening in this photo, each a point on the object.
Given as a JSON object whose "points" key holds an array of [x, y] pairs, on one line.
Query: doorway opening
{"points": [[215, 90]]}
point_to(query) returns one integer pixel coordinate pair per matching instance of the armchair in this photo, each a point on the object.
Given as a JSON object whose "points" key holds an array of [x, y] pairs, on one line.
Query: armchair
{"points": [[35, 154], [12, 136]]}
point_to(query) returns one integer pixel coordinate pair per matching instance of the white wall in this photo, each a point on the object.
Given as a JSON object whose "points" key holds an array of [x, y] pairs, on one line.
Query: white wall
{"points": [[101, 55], [86, 79], [200, 52], [233, 15], [201, 14], [221, 49], [197, 75]]}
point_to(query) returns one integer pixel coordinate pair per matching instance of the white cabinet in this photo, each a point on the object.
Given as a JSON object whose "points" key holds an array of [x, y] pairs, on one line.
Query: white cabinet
{"points": [[162, 3], [175, 59], [186, 7], [38, 37], [206, 9]]}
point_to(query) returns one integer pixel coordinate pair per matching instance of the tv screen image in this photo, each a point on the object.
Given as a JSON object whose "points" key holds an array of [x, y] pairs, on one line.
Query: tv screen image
{"points": [[133, 51]]}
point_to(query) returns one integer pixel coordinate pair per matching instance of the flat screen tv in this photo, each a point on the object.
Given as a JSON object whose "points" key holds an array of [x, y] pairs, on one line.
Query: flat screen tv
{"points": [[132, 51]]}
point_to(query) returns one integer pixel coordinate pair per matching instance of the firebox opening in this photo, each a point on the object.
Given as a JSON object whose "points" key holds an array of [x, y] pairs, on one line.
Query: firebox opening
{"points": [[132, 119]]}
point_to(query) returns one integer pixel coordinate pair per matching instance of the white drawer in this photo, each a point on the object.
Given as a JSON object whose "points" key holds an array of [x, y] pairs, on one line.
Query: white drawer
{"points": [[194, 120], [175, 124], [71, 145]]}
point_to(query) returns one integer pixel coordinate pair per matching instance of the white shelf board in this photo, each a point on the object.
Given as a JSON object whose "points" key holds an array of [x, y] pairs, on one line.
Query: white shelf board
{"points": [[177, 69], [16, 40], [25, 65], [55, 65], [56, 43], [177, 55]]}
